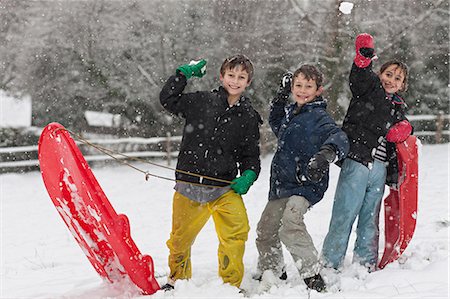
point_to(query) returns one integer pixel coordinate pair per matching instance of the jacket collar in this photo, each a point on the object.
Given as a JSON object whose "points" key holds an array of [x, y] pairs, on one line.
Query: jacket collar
{"points": [[223, 94], [396, 99], [319, 102]]}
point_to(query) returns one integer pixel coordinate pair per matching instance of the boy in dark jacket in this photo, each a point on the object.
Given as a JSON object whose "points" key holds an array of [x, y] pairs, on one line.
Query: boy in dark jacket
{"points": [[374, 122], [308, 141], [220, 139]]}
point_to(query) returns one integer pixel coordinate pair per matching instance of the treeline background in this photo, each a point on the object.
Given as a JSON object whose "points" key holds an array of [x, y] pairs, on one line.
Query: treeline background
{"points": [[114, 56]]}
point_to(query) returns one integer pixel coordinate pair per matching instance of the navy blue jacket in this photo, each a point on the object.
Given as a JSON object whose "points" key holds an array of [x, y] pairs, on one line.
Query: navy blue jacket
{"points": [[300, 135]]}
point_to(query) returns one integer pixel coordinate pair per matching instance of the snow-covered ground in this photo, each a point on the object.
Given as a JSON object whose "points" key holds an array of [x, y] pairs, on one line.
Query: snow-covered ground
{"points": [[40, 258]]}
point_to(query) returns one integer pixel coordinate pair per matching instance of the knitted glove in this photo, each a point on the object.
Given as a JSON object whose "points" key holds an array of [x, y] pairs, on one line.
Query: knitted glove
{"points": [[243, 183], [399, 132], [319, 163], [194, 68], [365, 51], [284, 90]]}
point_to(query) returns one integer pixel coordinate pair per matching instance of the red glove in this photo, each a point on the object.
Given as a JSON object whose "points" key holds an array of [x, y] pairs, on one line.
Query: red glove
{"points": [[399, 132], [364, 47]]}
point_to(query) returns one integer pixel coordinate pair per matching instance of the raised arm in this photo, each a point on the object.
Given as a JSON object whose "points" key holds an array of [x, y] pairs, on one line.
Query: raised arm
{"points": [[279, 102], [171, 95], [362, 77]]}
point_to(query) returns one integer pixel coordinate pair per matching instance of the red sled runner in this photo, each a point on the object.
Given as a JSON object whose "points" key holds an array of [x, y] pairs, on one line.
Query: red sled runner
{"points": [[400, 207], [104, 236]]}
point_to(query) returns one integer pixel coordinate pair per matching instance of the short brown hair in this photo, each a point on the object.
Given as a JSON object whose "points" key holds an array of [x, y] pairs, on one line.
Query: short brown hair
{"points": [[311, 73], [236, 60], [402, 67]]}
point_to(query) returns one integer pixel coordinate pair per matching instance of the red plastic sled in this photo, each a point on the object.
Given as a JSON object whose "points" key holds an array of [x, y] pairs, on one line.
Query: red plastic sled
{"points": [[103, 235], [400, 207]]}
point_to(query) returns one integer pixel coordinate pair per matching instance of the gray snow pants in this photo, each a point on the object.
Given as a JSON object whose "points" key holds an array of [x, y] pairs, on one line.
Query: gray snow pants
{"points": [[282, 220]]}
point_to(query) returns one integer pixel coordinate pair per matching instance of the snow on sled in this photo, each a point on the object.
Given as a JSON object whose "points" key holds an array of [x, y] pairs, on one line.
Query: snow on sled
{"points": [[104, 236], [400, 207]]}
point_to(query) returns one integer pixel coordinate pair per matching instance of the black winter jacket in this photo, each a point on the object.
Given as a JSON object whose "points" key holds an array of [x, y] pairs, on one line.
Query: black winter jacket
{"points": [[369, 117], [217, 139]]}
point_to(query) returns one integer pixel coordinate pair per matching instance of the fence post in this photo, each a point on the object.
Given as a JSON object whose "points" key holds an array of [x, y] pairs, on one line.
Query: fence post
{"points": [[439, 126], [168, 148]]}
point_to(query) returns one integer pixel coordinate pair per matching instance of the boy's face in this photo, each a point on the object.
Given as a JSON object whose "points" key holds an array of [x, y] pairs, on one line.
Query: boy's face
{"points": [[235, 80], [304, 90], [392, 79]]}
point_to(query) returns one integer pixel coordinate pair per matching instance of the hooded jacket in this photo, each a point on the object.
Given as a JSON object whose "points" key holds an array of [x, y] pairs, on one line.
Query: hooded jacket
{"points": [[217, 139], [300, 135]]}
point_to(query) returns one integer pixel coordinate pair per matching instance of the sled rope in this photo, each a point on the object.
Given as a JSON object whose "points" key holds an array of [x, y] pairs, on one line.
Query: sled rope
{"points": [[147, 174]]}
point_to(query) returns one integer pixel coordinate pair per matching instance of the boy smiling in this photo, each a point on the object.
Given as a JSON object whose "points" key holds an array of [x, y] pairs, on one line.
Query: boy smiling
{"points": [[308, 141], [214, 149]]}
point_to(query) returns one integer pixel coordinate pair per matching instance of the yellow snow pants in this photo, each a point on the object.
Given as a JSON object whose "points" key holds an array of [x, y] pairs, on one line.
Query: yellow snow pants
{"points": [[231, 223]]}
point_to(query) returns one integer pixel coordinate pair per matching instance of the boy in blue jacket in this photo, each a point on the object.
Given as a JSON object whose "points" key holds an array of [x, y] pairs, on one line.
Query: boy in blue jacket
{"points": [[308, 141]]}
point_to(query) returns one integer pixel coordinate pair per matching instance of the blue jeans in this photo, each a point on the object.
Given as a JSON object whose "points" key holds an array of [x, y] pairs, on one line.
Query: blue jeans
{"points": [[359, 192]]}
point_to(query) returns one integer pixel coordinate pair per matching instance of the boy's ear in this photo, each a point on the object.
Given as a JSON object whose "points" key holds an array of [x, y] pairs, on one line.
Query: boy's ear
{"points": [[319, 91], [249, 82]]}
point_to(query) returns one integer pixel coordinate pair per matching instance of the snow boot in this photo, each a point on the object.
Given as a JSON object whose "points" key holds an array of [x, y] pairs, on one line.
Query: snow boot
{"points": [[315, 283], [258, 276], [167, 287]]}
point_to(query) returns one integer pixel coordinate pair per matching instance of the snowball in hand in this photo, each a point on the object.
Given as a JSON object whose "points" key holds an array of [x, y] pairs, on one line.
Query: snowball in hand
{"points": [[194, 62]]}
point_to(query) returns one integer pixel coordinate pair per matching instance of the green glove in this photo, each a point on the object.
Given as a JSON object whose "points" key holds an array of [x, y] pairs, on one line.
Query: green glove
{"points": [[194, 68], [243, 183]]}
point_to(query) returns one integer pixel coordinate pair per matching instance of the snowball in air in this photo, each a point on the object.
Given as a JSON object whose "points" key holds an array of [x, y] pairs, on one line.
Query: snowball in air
{"points": [[346, 7]]}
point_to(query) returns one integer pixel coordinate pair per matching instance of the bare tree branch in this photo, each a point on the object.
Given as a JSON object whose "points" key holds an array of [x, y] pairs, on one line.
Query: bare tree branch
{"points": [[418, 20]]}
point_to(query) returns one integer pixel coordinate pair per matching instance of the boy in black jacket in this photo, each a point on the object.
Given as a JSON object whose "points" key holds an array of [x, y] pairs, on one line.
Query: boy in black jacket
{"points": [[374, 122], [220, 139]]}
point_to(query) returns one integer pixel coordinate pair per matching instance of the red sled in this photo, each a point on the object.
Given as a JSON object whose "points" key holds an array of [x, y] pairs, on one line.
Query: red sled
{"points": [[400, 207], [103, 235]]}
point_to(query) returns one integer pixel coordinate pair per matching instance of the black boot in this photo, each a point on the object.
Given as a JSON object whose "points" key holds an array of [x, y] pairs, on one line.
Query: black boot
{"points": [[283, 276], [167, 287], [316, 283]]}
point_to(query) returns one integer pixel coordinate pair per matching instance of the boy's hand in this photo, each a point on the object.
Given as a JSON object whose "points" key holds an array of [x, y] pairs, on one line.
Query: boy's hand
{"points": [[319, 163], [285, 84], [243, 183], [284, 89], [365, 51], [399, 132], [194, 68]]}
